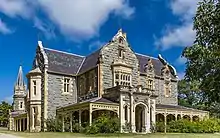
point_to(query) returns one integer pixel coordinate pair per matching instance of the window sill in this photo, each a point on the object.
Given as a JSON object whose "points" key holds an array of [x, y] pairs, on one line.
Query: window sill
{"points": [[66, 93]]}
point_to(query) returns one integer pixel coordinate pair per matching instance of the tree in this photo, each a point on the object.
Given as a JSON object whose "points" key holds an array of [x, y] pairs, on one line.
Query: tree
{"points": [[189, 94], [4, 110], [203, 57]]}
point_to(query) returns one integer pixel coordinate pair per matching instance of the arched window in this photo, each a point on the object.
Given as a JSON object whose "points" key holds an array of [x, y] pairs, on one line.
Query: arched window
{"points": [[121, 40], [126, 113], [116, 76]]}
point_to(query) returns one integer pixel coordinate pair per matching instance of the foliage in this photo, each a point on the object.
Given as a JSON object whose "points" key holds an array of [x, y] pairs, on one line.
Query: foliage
{"points": [[4, 112], [189, 94], [160, 126], [54, 125], [211, 125], [104, 124], [204, 55]]}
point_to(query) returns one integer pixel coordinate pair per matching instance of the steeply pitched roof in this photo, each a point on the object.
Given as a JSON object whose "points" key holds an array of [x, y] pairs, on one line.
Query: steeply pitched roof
{"points": [[67, 63], [20, 79], [143, 60], [63, 62], [90, 61]]}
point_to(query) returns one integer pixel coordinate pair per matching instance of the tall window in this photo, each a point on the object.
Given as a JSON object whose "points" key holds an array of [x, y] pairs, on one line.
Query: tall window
{"points": [[126, 113], [150, 84], [21, 105], [35, 87], [66, 85], [167, 89]]}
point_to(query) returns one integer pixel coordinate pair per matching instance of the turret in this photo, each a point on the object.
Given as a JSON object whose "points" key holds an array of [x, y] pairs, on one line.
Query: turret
{"points": [[34, 99], [19, 92]]}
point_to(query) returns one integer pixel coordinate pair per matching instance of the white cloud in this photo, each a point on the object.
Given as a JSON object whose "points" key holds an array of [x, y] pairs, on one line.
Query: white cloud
{"points": [[46, 29], [76, 19], [14, 8], [181, 60], [96, 45], [4, 28], [182, 35], [83, 19]]}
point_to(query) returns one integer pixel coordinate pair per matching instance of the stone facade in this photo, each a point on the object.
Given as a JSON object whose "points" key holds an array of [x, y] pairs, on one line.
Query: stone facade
{"points": [[132, 83], [56, 97]]}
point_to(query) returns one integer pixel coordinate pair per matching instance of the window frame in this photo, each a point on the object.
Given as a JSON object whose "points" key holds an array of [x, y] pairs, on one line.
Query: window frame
{"points": [[66, 85], [34, 87]]}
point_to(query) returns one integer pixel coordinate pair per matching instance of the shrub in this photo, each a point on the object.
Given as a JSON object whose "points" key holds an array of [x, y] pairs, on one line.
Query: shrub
{"points": [[104, 124], [185, 126], [54, 125]]}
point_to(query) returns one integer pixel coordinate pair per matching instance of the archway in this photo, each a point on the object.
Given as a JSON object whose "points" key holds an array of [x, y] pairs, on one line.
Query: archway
{"points": [[170, 117], [195, 118], [159, 117], [140, 117], [179, 117], [187, 117]]}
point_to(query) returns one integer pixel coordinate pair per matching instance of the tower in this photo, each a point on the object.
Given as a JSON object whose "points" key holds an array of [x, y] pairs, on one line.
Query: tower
{"points": [[19, 93], [34, 100]]}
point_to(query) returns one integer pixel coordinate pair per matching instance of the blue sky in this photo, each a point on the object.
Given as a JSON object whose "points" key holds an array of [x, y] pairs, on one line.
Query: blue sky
{"points": [[81, 26]]}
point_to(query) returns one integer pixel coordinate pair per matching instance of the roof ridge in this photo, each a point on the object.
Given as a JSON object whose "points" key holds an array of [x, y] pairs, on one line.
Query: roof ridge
{"points": [[81, 65], [63, 52], [147, 56]]}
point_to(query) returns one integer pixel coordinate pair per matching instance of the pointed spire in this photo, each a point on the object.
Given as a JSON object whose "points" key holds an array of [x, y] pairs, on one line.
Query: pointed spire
{"points": [[20, 79]]}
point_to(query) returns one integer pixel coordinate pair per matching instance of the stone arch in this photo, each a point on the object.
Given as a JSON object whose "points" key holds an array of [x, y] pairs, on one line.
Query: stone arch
{"points": [[159, 117], [170, 117], [187, 117], [195, 118], [140, 117], [178, 117]]}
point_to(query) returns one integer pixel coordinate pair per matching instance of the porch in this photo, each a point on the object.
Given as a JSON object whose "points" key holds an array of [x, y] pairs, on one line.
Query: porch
{"points": [[85, 112]]}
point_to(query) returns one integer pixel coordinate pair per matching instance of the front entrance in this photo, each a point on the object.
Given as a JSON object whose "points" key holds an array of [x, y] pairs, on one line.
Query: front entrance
{"points": [[140, 118]]}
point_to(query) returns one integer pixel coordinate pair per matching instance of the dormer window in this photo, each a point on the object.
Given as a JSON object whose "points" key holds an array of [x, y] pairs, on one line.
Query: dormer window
{"points": [[150, 84]]}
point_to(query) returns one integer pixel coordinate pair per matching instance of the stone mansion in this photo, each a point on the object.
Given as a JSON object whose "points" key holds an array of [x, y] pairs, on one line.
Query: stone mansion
{"points": [[136, 88]]}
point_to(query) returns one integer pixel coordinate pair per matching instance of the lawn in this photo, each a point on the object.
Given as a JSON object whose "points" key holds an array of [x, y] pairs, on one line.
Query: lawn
{"points": [[76, 135]]}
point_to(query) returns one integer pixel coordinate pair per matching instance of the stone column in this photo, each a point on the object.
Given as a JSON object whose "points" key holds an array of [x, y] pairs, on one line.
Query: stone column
{"points": [[20, 125], [23, 124], [165, 122], [132, 114], [121, 116], [28, 128], [80, 116], [63, 124], [148, 117], [154, 112], [71, 122], [90, 115]]}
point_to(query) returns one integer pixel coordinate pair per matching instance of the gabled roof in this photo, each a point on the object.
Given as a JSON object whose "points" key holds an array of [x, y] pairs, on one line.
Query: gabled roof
{"points": [[90, 61], [63, 62], [143, 60]]}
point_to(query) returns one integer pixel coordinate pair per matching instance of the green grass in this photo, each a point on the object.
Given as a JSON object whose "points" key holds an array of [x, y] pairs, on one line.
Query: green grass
{"points": [[77, 135]]}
